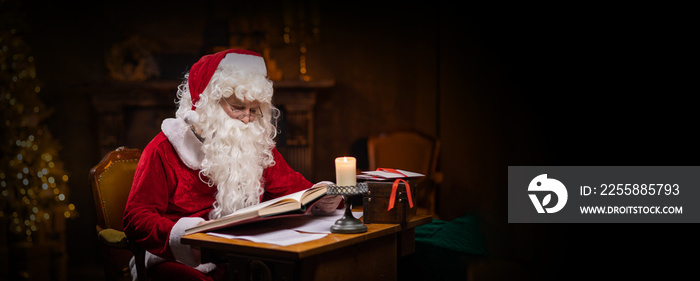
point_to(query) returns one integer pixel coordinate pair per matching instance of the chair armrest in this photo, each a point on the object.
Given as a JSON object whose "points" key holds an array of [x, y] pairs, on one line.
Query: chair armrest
{"points": [[113, 238], [118, 240]]}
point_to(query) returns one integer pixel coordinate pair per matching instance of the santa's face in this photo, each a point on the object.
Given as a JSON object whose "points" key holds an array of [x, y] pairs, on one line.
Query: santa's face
{"points": [[237, 149], [246, 111]]}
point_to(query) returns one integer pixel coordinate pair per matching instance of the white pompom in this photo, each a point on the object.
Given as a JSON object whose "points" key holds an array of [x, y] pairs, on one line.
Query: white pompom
{"points": [[191, 117]]}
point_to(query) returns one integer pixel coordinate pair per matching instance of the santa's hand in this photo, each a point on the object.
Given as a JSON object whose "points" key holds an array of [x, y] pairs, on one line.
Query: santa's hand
{"points": [[327, 204]]}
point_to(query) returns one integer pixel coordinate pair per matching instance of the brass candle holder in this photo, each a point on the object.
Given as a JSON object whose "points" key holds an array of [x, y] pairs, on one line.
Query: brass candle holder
{"points": [[348, 223]]}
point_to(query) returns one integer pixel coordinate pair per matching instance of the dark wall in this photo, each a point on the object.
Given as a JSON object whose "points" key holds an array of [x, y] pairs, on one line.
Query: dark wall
{"points": [[498, 85]]}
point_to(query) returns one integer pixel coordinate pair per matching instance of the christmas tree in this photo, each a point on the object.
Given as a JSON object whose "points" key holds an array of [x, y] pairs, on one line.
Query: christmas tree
{"points": [[33, 183]]}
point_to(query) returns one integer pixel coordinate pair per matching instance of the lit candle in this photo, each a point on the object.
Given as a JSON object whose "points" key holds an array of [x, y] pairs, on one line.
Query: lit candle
{"points": [[345, 171]]}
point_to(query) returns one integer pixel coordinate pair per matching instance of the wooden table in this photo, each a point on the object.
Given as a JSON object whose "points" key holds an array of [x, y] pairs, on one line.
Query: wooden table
{"points": [[365, 256]]}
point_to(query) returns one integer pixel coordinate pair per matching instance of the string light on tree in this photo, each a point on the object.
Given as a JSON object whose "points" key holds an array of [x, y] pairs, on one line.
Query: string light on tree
{"points": [[33, 182]]}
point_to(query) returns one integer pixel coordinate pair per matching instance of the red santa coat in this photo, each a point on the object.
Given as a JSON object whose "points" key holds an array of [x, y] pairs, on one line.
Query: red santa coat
{"points": [[168, 196]]}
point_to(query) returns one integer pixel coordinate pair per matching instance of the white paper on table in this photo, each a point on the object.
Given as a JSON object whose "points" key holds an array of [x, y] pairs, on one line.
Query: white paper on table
{"points": [[282, 237], [319, 223], [285, 231]]}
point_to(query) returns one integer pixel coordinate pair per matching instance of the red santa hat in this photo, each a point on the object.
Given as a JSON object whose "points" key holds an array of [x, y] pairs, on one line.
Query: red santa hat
{"points": [[204, 69]]}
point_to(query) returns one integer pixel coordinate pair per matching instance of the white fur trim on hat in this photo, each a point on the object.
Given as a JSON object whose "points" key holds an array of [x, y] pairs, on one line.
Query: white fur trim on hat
{"points": [[191, 117], [245, 62]]}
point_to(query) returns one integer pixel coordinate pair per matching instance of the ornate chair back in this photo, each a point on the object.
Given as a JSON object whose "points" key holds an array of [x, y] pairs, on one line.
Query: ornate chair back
{"points": [[111, 181]]}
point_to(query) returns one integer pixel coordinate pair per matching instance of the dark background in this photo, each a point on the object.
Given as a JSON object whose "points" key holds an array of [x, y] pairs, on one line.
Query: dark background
{"points": [[500, 85]]}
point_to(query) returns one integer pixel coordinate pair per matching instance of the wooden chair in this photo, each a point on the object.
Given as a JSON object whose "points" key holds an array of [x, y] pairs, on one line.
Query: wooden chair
{"points": [[411, 151], [111, 181]]}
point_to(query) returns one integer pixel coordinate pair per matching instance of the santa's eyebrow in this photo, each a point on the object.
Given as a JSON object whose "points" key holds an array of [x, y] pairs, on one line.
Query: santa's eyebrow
{"points": [[242, 104]]}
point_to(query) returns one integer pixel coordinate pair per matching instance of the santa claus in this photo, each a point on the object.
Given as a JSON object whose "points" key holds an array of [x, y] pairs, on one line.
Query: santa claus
{"points": [[217, 156]]}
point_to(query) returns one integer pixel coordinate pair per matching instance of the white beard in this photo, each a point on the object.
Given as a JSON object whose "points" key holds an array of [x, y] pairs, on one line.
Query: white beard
{"points": [[235, 156]]}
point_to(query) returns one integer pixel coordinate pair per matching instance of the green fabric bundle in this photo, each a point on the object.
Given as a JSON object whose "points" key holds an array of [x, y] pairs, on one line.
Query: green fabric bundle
{"points": [[460, 235], [442, 250]]}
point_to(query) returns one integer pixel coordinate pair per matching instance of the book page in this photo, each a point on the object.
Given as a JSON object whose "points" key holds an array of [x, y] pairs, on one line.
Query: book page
{"points": [[273, 207], [280, 207], [313, 193], [294, 196]]}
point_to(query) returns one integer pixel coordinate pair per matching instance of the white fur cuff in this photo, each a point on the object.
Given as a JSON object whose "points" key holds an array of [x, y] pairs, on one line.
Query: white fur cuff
{"points": [[206, 267], [183, 252]]}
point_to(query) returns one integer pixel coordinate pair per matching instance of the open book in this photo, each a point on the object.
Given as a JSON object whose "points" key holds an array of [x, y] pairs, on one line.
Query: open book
{"points": [[297, 203]]}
